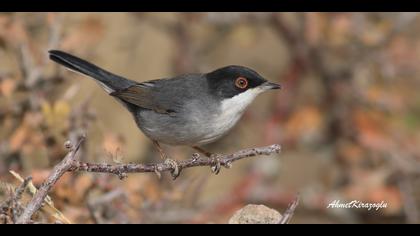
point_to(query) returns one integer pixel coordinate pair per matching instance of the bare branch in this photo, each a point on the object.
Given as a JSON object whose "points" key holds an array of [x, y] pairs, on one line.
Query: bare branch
{"points": [[290, 211], [31, 71], [225, 160], [16, 196], [95, 205], [56, 174], [69, 163]]}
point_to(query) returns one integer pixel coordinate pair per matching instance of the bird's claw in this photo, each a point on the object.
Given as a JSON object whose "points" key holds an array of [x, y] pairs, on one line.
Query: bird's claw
{"points": [[158, 169], [175, 172], [195, 157], [216, 165]]}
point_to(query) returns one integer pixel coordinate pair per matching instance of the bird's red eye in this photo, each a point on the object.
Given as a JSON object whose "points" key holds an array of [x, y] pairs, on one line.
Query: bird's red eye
{"points": [[241, 82]]}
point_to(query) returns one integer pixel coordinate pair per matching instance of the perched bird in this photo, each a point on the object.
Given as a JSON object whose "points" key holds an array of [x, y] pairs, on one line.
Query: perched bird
{"points": [[189, 109]]}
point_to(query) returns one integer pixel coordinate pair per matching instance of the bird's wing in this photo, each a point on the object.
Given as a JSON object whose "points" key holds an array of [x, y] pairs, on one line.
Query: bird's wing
{"points": [[146, 95]]}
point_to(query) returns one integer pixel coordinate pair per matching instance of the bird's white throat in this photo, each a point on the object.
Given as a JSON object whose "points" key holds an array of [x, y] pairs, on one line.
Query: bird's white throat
{"points": [[230, 112], [236, 105]]}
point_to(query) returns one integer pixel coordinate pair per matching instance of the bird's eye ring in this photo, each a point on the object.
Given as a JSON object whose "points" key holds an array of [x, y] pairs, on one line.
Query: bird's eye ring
{"points": [[241, 82]]}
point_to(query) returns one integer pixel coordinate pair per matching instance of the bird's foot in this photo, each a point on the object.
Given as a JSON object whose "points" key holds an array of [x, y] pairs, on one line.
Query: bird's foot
{"points": [[176, 171], [215, 159], [216, 164]]}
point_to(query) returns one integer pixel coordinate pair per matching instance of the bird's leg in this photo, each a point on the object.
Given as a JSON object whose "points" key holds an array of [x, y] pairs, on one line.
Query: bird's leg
{"points": [[214, 157], [175, 168], [202, 151]]}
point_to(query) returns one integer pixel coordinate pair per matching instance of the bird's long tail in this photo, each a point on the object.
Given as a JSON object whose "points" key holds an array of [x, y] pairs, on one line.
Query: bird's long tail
{"points": [[107, 80]]}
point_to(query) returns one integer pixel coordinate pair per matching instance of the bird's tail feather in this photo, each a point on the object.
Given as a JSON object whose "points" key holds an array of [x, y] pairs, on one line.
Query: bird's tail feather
{"points": [[107, 80]]}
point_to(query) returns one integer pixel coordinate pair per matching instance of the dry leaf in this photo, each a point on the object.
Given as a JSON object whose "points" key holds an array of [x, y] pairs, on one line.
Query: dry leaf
{"points": [[390, 195], [18, 138], [340, 28], [352, 153], [81, 185], [113, 145], [56, 116], [7, 87], [48, 200], [315, 27], [89, 32], [370, 126], [305, 122], [27, 136]]}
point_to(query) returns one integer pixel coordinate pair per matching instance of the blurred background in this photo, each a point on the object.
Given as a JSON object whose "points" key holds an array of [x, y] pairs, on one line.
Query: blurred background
{"points": [[348, 116]]}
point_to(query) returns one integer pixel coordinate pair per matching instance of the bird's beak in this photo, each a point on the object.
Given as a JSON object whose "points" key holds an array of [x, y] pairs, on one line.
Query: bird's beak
{"points": [[268, 85]]}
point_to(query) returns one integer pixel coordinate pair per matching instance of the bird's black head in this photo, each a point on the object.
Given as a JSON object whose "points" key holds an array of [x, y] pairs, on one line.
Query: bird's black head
{"points": [[229, 81]]}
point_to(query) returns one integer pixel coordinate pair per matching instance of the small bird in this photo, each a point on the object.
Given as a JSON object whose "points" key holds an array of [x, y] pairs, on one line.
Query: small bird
{"points": [[191, 109]]}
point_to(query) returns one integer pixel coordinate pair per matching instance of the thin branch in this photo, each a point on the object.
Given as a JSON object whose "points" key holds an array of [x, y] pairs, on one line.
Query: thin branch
{"points": [[56, 174], [70, 164], [17, 207], [290, 211], [21, 188], [224, 160], [17, 195], [54, 36], [31, 72], [94, 206]]}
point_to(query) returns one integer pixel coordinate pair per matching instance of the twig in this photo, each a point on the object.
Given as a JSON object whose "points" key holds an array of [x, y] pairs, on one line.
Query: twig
{"points": [[30, 70], [108, 197], [54, 36], [225, 160], [16, 205], [56, 173], [21, 188], [47, 200], [31, 187], [17, 195], [103, 200], [290, 211]]}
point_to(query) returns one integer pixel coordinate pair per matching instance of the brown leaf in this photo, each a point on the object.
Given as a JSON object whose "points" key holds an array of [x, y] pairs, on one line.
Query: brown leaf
{"points": [[304, 122], [7, 87], [39, 176], [90, 32], [351, 153], [81, 185], [56, 116], [340, 27], [370, 126], [18, 138], [390, 195], [315, 27], [114, 145]]}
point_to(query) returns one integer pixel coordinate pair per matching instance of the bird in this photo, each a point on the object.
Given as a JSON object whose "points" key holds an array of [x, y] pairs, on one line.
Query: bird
{"points": [[191, 109]]}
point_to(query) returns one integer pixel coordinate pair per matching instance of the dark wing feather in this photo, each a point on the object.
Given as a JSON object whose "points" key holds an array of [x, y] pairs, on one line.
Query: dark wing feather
{"points": [[145, 95]]}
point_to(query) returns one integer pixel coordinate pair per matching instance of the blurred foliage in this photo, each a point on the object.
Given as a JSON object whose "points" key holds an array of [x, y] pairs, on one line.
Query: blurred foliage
{"points": [[347, 118]]}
